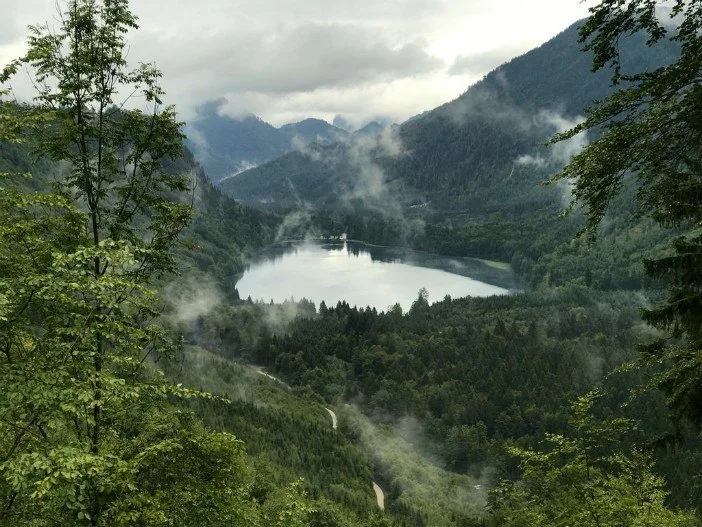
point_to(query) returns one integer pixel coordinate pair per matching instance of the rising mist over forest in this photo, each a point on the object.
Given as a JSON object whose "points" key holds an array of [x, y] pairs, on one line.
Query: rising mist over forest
{"points": [[382, 264]]}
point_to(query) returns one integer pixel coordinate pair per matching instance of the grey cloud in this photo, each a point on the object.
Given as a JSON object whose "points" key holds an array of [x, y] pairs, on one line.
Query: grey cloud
{"points": [[16, 17], [299, 220], [210, 108], [561, 153], [564, 151], [286, 60], [305, 58], [359, 9], [558, 155], [480, 63], [666, 17], [9, 30], [249, 13], [192, 298], [371, 186]]}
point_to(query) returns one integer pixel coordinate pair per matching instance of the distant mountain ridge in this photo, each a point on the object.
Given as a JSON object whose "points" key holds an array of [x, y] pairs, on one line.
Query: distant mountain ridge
{"points": [[371, 129], [314, 130], [225, 146], [481, 151]]}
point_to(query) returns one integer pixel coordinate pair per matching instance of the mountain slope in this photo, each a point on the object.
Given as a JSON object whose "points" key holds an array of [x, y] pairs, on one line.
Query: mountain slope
{"points": [[371, 129], [465, 153], [219, 236], [222, 232], [313, 130], [225, 146]]}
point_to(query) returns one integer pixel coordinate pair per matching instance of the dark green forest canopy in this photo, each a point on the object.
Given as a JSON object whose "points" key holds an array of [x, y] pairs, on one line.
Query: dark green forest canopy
{"points": [[650, 139], [91, 433], [93, 427]]}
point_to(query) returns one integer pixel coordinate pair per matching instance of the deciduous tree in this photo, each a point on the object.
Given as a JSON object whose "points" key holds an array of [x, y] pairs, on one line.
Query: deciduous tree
{"points": [[87, 432]]}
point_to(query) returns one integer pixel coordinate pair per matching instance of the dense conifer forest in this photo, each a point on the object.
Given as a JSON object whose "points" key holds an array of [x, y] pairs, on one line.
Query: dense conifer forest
{"points": [[139, 389]]}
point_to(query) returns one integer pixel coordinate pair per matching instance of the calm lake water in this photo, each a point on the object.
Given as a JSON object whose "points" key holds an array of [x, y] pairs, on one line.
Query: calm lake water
{"points": [[365, 275]]}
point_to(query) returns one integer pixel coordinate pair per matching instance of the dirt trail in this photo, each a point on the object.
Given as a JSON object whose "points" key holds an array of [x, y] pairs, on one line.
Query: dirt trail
{"points": [[379, 496], [333, 417]]}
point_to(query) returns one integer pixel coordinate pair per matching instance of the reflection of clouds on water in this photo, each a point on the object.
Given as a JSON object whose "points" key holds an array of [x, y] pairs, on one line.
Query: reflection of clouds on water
{"points": [[336, 273]]}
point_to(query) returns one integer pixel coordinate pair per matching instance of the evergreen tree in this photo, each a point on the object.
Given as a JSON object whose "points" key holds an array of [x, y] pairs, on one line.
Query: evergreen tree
{"points": [[650, 132], [585, 480]]}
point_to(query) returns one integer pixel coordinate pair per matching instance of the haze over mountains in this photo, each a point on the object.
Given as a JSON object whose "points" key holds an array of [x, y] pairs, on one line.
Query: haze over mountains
{"points": [[132, 277], [226, 146], [482, 150]]}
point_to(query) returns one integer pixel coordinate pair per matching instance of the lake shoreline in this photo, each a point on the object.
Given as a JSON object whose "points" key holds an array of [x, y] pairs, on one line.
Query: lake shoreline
{"points": [[362, 274]]}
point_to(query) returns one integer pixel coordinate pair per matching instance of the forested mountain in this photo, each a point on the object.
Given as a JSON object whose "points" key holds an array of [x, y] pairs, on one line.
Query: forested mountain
{"points": [[469, 153], [226, 145], [370, 130], [217, 240], [466, 178], [133, 392], [313, 130]]}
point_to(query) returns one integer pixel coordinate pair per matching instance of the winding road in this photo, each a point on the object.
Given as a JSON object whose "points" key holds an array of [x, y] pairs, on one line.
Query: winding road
{"points": [[333, 417], [379, 494], [260, 371]]}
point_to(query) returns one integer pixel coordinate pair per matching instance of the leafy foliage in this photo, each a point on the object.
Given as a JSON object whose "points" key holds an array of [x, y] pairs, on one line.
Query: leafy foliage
{"points": [[650, 134], [89, 435]]}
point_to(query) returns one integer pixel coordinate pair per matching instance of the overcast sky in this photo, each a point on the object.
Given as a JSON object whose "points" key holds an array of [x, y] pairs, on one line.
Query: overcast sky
{"points": [[285, 60]]}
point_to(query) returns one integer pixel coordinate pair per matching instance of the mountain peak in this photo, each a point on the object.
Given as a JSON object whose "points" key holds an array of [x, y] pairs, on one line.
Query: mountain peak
{"points": [[314, 130]]}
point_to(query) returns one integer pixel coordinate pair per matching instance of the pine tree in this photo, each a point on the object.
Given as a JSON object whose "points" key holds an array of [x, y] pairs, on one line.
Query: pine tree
{"points": [[649, 134]]}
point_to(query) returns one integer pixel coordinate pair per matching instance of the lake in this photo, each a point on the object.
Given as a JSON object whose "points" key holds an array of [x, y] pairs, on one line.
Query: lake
{"points": [[366, 275]]}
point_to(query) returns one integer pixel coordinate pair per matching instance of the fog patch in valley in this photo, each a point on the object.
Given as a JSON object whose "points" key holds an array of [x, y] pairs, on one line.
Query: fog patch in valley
{"points": [[198, 143], [371, 185], [361, 159], [561, 153], [192, 298], [553, 157], [296, 225], [242, 166], [414, 481], [278, 317], [305, 148]]}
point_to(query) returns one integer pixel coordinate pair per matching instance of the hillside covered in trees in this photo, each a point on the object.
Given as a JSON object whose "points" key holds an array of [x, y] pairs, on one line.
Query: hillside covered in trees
{"points": [[134, 389], [481, 152]]}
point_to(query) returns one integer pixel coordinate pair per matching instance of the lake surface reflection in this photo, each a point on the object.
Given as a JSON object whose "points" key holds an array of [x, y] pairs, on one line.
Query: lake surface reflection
{"points": [[365, 275]]}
